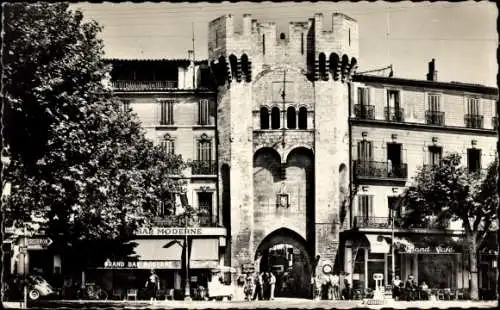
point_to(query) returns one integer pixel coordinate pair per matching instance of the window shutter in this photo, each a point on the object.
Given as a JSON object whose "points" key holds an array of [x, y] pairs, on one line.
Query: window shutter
{"points": [[367, 96], [369, 150], [370, 206], [360, 145], [360, 96]]}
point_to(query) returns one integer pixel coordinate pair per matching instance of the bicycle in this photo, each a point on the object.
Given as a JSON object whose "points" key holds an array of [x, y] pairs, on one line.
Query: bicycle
{"points": [[94, 292]]}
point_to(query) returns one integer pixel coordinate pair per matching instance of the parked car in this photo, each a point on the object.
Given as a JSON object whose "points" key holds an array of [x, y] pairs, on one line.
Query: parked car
{"points": [[39, 287]]}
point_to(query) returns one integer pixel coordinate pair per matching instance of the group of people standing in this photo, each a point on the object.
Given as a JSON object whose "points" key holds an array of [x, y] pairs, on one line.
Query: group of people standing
{"points": [[409, 290], [260, 286]]}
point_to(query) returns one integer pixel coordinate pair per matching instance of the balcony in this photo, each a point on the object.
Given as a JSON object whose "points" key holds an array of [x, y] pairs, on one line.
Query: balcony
{"points": [[372, 222], [474, 121], [380, 170], [132, 85], [364, 111], [434, 118], [393, 114], [179, 221], [204, 167]]}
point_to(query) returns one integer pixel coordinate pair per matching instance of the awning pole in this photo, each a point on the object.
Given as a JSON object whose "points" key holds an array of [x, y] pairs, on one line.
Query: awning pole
{"points": [[393, 262]]}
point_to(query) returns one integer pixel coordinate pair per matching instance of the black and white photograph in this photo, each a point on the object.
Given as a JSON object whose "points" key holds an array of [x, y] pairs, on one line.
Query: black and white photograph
{"points": [[249, 155]]}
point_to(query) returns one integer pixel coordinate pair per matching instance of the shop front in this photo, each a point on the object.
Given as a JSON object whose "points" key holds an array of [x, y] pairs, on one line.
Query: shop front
{"points": [[440, 266], [165, 251]]}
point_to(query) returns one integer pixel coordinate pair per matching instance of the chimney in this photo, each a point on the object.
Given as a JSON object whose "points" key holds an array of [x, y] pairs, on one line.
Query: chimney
{"points": [[247, 24], [432, 74]]}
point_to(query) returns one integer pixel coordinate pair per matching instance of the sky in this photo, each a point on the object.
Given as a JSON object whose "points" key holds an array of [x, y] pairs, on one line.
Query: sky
{"points": [[461, 37]]}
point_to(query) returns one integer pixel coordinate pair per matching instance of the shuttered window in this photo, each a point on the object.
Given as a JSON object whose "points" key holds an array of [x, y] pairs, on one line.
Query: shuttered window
{"points": [[167, 112], [364, 96], [473, 106], [365, 206], [365, 150], [434, 103]]}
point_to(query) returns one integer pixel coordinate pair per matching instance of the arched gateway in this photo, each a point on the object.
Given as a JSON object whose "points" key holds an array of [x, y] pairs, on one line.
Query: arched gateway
{"points": [[286, 254]]}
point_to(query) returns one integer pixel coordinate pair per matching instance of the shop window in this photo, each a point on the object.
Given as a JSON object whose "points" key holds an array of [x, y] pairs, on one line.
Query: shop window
{"points": [[303, 118], [275, 118], [474, 160], [291, 121]]}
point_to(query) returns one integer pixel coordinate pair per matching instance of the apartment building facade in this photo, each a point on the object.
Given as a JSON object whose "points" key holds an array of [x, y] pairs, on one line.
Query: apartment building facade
{"points": [[397, 126]]}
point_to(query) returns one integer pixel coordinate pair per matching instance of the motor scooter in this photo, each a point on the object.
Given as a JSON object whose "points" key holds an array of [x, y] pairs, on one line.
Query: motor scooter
{"points": [[39, 287]]}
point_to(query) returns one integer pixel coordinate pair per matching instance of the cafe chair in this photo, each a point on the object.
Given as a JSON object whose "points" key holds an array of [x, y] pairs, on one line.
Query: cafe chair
{"points": [[170, 294], [453, 294], [132, 292], [460, 294], [440, 295], [117, 294], [447, 293]]}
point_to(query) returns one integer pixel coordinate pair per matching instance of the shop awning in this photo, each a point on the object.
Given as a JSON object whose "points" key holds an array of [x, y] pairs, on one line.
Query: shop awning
{"points": [[204, 253], [159, 253], [378, 243]]}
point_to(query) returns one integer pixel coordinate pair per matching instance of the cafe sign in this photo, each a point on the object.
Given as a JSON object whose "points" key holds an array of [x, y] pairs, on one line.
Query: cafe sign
{"points": [[430, 250], [180, 231], [142, 264]]}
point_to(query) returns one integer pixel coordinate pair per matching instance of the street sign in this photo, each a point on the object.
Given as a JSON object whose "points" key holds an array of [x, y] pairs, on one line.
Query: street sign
{"points": [[39, 243], [378, 276]]}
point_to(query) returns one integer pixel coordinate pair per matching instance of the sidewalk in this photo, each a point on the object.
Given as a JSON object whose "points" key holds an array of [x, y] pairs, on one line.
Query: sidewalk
{"points": [[278, 303]]}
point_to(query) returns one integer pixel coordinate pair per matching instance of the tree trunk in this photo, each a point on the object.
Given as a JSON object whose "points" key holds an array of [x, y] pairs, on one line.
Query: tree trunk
{"points": [[474, 291]]}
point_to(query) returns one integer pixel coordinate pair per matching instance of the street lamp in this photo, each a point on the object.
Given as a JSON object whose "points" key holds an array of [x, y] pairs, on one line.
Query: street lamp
{"points": [[187, 287]]}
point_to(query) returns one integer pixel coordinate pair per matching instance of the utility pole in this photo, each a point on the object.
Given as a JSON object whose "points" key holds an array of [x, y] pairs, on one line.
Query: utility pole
{"points": [[187, 287]]}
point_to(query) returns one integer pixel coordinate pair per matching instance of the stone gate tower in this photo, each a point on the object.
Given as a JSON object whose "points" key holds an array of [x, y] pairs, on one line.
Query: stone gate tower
{"points": [[283, 147]]}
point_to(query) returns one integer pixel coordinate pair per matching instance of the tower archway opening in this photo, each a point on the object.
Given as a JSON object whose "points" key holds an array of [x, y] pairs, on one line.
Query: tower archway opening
{"points": [[283, 252]]}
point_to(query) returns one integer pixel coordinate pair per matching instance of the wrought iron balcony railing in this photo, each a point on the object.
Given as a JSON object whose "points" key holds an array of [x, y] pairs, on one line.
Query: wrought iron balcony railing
{"points": [[393, 114], [382, 170], [434, 118], [204, 167], [143, 85], [364, 111], [372, 222], [474, 121]]}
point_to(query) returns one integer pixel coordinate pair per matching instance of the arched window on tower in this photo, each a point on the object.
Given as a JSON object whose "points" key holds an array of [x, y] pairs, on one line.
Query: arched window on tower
{"points": [[233, 61], [303, 118], [275, 118], [264, 118], [291, 120], [322, 67]]}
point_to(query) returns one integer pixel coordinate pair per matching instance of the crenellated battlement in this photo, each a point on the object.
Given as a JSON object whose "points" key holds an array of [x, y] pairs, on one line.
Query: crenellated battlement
{"points": [[307, 45]]}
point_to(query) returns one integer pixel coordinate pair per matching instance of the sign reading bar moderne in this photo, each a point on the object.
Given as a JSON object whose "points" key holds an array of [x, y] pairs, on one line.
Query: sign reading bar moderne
{"points": [[181, 231], [169, 231]]}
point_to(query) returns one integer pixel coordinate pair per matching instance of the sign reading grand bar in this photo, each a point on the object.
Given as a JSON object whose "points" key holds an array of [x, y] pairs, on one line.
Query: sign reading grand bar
{"points": [[181, 231]]}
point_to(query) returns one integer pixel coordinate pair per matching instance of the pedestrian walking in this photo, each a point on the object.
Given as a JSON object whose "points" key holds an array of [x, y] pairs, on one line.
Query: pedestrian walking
{"points": [[153, 285], [346, 292], [336, 286], [265, 280], [272, 285], [409, 288], [258, 292], [396, 288]]}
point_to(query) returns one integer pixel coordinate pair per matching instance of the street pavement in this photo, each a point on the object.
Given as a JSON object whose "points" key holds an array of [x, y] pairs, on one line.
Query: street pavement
{"points": [[278, 303]]}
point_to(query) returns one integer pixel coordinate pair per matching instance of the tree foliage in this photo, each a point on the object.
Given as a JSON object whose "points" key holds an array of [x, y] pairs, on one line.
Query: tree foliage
{"points": [[79, 164], [451, 193]]}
